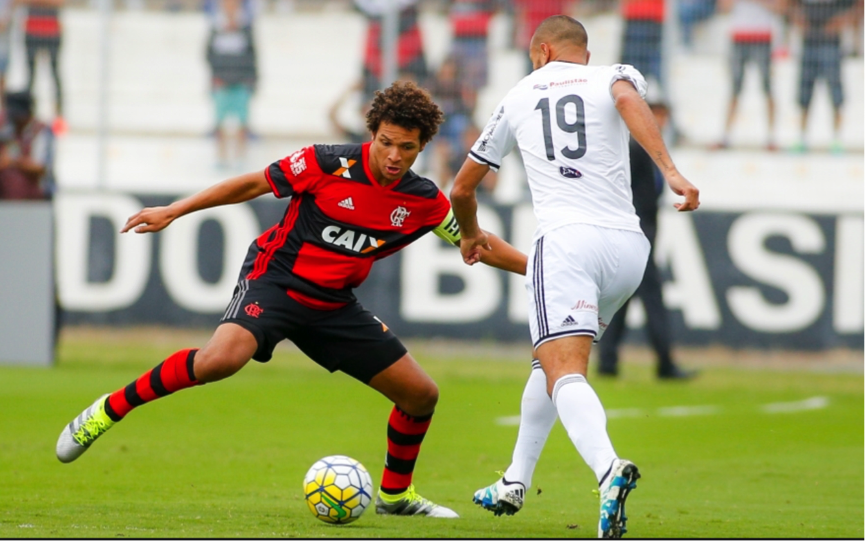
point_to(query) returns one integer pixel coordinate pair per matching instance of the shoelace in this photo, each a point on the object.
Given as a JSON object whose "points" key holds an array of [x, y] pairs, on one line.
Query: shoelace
{"points": [[414, 497], [90, 430]]}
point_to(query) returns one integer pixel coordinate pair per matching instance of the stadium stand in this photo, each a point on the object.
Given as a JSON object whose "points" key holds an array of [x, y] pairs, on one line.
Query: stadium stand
{"points": [[159, 110]]}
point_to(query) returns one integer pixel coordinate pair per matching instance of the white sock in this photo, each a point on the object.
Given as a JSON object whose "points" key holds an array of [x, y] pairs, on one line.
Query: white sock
{"points": [[537, 417], [584, 419]]}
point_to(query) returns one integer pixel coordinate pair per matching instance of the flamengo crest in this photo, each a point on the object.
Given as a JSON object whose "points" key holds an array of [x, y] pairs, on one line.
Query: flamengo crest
{"points": [[398, 216]]}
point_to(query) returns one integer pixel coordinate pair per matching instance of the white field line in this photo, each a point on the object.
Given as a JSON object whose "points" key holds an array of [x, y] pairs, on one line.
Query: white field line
{"points": [[626, 412], [813, 403], [816, 402], [687, 411]]}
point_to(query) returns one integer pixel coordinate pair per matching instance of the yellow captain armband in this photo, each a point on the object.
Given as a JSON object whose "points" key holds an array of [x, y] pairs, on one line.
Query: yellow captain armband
{"points": [[449, 229]]}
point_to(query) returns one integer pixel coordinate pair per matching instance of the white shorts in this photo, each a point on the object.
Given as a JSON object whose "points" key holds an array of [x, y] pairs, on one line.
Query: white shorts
{"points": [[578, 276]]}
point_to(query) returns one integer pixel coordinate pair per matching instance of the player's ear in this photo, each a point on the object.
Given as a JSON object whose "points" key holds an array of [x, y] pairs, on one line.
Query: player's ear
{"points": [[588, 55]]}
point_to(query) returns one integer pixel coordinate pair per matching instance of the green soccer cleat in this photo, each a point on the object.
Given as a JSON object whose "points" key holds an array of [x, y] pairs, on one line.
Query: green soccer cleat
{"points": [[80, 434], [410, 503]]}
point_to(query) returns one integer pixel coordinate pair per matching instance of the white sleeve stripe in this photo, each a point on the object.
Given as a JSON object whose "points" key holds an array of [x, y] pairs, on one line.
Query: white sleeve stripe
{"points": [[483, 161]]}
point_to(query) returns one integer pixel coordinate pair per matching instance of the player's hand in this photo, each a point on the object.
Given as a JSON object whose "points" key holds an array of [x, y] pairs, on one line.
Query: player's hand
{"points": [[150, 220], [470, 247], [681, 186]]}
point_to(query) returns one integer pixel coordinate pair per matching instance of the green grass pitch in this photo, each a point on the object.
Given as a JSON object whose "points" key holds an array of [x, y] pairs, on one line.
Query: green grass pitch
{"points": [[227, 459]]}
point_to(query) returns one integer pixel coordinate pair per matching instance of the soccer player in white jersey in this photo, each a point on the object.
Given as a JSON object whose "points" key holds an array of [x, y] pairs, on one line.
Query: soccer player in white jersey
{"points": [[570, 122]]}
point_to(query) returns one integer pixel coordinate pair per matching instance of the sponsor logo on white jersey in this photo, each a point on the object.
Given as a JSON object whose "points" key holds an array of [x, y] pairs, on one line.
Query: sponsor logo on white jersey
{"points": [[491, 127], [569, 172], [569, 321], [583, 306]]}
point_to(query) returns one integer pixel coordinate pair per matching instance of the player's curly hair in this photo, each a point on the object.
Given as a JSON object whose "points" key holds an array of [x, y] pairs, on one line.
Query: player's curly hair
{"points": [[408, 106]]}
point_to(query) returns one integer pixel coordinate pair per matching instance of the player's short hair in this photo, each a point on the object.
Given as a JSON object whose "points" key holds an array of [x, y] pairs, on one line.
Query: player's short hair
{"points": [[408, 106], [562, 29]]}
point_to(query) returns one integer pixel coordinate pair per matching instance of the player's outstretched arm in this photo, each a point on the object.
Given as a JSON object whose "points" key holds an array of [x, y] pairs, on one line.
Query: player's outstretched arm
{"points": [[227, 192], [465, 205], [640, 121], [502, 255]]}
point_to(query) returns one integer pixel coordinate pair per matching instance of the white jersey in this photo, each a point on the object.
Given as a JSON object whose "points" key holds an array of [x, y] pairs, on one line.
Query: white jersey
{"points": [[573, 142], [750, 19]]}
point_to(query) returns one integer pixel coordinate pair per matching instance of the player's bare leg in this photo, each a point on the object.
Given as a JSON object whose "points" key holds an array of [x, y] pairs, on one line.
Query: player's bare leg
{"points": [[228, 350], [414, 395], [565, 361]]}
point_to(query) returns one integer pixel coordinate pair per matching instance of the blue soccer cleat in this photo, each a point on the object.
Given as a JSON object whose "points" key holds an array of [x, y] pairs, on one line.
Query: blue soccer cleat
{"points": [[502, 497], [614, 489]]}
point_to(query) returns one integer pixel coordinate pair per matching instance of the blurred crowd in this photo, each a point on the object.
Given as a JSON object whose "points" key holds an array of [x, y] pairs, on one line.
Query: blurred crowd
{"points": [[759, 33], [27, 143], [758, 30]]}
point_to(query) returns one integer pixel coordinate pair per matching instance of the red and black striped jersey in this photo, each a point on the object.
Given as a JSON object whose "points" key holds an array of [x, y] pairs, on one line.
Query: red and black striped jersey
{"points": [[339, 221]]}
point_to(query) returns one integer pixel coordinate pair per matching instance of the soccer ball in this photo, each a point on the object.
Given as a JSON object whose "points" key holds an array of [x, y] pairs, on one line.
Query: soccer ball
{"points": [[338, 489]]}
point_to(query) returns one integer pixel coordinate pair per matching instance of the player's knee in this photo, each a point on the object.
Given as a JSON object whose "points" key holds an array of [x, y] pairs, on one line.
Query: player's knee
{"points": [[213, 365], [424, 400]]}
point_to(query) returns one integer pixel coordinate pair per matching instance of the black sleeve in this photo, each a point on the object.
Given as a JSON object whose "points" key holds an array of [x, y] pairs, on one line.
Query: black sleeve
{"points": [[643, 183]]}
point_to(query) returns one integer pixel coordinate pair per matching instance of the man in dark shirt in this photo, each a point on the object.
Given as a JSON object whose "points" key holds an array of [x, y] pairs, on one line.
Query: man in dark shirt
{"points": [[646, 185], [821, 22], [26, 151], [350, 206], [234, 73]]}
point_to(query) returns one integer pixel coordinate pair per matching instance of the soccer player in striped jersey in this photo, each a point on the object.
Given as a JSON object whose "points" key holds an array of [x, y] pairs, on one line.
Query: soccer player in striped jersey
{"points": [[349, 206], [570, 122]]}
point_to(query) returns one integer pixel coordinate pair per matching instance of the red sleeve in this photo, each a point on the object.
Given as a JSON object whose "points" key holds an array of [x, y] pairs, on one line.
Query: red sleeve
{"points": [[440, 210], [293, 174]]}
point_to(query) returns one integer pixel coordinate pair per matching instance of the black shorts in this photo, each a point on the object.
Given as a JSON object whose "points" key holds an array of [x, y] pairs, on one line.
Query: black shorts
{"points": [[349, 339], [759, 53]]}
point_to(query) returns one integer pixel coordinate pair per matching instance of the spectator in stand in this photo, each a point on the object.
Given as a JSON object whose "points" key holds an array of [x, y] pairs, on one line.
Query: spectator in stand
{"points": [[647, 185], [528, 14], [751, 30], [42, 32], [26, 155], [411, 61], [488, 185], [822, 22], [470, 26], [349, 133], [213, 10], [5, 40], [457, 100], [641, 46], [692, 12], [234, 73]]}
